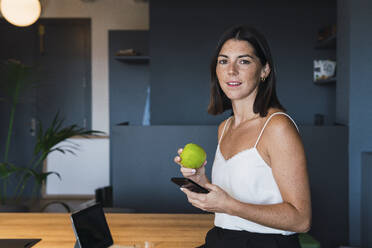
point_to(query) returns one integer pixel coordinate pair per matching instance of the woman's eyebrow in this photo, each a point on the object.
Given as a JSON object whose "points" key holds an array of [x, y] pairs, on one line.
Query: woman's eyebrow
{"points": [[240, 56], [245, 55]]}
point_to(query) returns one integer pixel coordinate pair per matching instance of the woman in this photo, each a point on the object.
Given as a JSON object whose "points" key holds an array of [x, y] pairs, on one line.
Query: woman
{"points": [[260, 193]]}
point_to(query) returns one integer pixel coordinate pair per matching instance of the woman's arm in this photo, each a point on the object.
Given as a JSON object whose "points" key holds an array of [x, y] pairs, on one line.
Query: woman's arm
{"points": [[288, 164]]}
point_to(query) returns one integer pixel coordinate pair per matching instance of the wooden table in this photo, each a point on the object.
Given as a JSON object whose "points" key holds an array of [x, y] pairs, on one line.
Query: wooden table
{"points": [[162, 230]]}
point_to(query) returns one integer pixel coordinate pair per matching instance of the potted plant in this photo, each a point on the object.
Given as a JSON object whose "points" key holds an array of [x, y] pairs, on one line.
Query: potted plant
{"points": [[47, 141]]}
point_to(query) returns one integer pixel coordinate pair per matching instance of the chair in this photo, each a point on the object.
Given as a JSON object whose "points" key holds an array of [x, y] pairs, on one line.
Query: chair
{"points": [[105, 197], [64, 206]]}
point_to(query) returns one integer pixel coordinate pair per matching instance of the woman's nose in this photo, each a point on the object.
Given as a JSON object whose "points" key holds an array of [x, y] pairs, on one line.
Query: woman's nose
{"points": [[232, 69]]}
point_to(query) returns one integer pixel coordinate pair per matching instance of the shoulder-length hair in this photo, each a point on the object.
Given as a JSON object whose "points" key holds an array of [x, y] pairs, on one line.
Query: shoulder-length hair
{"points": [[266, 95]]}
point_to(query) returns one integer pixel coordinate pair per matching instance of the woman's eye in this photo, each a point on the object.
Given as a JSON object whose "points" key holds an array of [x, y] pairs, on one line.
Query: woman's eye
{"points": [[244, 61], [222, 61]]}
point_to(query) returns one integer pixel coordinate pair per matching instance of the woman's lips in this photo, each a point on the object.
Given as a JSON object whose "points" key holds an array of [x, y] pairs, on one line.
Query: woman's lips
{"points": [[233, 83]]}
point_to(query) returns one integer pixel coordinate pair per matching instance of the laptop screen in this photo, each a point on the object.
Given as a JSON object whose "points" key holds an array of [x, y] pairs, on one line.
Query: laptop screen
{"points": [[91, 228], [18, 243]]}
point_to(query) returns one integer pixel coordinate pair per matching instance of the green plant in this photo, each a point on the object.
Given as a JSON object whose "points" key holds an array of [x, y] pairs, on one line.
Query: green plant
{"points": [[47, 140]]}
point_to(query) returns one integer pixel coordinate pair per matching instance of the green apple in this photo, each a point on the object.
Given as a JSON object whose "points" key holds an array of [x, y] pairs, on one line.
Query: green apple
{"points": [[193, 156]]}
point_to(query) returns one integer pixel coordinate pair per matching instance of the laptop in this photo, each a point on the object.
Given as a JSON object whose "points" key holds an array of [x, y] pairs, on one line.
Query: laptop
{"points": [[91, 229], [18, 243]]}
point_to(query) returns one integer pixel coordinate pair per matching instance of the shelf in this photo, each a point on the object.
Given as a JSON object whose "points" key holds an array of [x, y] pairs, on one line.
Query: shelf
{"points": [[133, 59], [326, 81], [329, 43]]}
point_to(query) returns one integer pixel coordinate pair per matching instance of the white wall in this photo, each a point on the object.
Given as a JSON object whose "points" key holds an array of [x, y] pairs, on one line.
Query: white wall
{"points": [[105, 15], [82, 172]]}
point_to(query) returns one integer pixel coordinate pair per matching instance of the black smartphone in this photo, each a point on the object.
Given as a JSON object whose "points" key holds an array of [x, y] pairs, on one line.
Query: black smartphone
{"points": [[189, 184]]}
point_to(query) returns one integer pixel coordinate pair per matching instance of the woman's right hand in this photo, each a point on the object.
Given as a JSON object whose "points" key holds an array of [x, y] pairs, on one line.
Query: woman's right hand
{"points": [[197, 175]]}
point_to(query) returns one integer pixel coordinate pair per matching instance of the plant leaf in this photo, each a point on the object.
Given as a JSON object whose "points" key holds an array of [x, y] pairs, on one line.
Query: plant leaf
{"points": [[48, 140], [7, 169]]}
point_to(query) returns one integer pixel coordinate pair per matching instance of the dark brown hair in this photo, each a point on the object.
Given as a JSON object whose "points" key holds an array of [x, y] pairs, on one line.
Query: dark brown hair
{"points": [[266, 95]]}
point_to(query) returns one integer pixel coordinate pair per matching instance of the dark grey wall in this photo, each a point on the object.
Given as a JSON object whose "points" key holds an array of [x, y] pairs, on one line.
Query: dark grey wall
{"points": [[343, 62], [357, 56], [128, 80], [143, 165], [327, 156], [366, 204], [64, 69], [184, 34]]}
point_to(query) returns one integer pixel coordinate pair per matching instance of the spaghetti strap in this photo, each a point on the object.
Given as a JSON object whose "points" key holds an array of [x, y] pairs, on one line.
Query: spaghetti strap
{"points": [[267, 121], [224, 129]]}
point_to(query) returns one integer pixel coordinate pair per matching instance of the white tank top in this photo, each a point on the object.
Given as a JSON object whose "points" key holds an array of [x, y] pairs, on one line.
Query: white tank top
{"points": [[247, 178]]}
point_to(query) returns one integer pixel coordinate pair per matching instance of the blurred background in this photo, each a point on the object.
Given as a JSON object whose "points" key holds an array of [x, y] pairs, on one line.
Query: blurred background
{"points": [[139, 72]]}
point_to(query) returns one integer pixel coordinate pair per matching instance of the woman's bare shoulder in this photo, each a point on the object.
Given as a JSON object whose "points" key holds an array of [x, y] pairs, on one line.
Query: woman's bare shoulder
{"points": [[281, 132], [280, 124]]}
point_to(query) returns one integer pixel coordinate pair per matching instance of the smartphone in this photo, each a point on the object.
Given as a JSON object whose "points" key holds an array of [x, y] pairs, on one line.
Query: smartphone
{"points": [[189, 184]]}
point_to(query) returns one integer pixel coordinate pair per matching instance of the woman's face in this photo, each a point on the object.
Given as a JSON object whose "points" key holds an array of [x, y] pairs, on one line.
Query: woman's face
{"points": [[239, 70]]}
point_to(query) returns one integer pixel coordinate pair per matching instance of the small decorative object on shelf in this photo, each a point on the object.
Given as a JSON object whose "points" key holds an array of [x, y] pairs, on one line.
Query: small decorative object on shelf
{"points": [[127, 52], [131, 55], [324, 71]]}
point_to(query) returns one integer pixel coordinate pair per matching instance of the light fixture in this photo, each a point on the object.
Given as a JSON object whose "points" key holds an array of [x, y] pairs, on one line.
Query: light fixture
{"points": [[21, 13]]}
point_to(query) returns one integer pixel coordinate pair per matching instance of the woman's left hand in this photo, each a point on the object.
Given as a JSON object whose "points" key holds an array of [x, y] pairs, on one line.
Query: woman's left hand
{"points": [[216, 201]]}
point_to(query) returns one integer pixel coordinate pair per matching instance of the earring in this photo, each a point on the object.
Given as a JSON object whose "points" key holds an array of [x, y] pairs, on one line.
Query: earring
{"points": [[262, 79]]}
